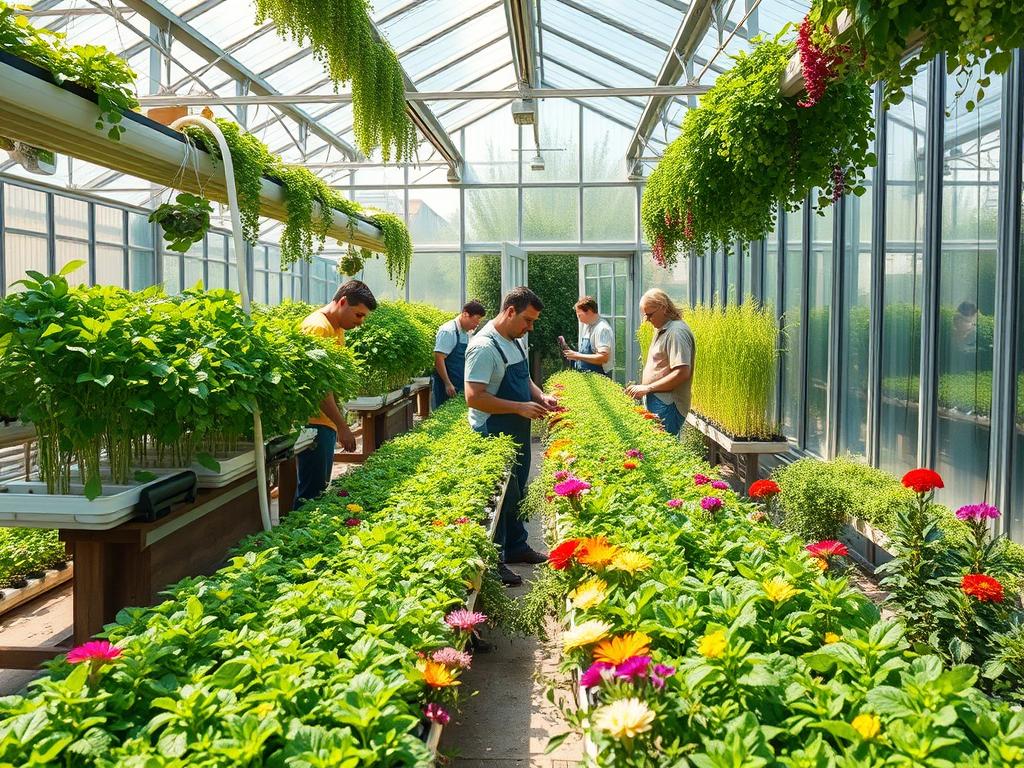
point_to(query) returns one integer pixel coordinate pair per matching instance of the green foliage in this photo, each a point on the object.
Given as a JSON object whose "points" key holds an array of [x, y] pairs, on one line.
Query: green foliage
{"points": [[555, 278], [737, 357], [27, 552], [184, 222], [302, 650], [483, 281], [747, 148], [816, 504], [91, 66], [392, 346], [644, 337], [341, 36], [397, 244]]}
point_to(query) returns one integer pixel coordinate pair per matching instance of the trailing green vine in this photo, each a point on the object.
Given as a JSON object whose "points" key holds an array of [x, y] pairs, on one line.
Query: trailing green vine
{"points": [[747, 149], [184, 222], [397, 244], [341, 35]]}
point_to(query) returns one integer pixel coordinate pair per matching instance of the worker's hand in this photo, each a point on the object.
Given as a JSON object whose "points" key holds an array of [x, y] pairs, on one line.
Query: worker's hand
{"points": [[449, 388], [549, 401], [637, 391], [531, 410], [571, 354], [346, 438]]}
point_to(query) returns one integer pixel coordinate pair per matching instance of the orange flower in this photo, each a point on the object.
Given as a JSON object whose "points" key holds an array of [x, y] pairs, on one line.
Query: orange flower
{"points": [[615, 650], [557, 446], [629, 465], [436, 675], [596, 552]]}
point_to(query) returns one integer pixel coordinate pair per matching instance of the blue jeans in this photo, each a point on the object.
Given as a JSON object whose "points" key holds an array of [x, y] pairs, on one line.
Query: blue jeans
{"points": [[315, 465], [671, 419]]}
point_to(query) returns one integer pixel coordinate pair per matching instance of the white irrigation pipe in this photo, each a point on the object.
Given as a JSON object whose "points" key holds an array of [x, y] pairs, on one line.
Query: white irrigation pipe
{"points": [[243, 289]]}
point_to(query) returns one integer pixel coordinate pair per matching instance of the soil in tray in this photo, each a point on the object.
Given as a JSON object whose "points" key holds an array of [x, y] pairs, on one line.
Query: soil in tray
{"points": [[776, 438]]}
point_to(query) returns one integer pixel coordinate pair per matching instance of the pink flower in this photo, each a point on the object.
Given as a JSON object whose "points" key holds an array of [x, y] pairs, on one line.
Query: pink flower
{"points": [[827, 548], [435, 713], [720, 485], [96, 651], [977, 512], [633, 453], [633, 667], [342, 494], [572, 487], [461, 520], [660, 674], [674, 503], [594, 674], [464, 620], [711, 503], [352, 522], [452, 657], [562, 474], [700, 479]]}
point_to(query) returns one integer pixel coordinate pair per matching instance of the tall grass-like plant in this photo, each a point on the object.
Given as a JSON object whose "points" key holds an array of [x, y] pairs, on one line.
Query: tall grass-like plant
{"points": [[737, 357]]}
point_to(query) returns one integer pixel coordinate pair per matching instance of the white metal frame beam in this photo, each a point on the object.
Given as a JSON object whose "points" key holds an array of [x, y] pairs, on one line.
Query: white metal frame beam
{"points": [[521, 25]]}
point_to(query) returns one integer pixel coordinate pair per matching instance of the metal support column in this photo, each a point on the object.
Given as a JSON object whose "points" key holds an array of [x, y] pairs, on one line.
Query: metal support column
{"points": [[835, 326], [805, 292], [877, 296]]}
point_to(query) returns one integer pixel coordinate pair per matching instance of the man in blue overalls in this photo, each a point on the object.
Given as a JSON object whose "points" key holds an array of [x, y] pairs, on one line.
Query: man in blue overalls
{"points": [[503, 400], [450, 352], [597, 342]]}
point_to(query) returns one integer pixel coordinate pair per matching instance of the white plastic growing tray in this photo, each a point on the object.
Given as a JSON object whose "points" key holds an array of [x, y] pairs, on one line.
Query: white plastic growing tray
{"points": [[26, 504], [16, 432], [376, 401]]}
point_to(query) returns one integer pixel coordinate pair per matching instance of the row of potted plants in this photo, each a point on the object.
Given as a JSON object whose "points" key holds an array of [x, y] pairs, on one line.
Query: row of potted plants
{"points": [[26, 553], [707, 637], [332, 640]]}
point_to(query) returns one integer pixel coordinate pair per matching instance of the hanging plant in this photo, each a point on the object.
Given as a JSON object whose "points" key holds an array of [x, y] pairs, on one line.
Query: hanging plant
{"points": [[397, 245], [352, 263], [747, 149], [966, 31], [341, 35], [184, 222], [822, 59]]}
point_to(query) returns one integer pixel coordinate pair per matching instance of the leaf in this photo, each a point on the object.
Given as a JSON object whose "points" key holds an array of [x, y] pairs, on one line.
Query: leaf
{"points": [[71, 266], [207, 461], [556, 741], [93, 488], [51, 329]]}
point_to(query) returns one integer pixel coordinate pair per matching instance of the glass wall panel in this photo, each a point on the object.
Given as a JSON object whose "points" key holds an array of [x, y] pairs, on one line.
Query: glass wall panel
{"points": [[819, 313], [109, 224], [491, 150], [747, 271], [732, 276], [109, 265], [23, 252], [73, 250], [609, 214], [792, 378], [902, 275], [24, 209], [559, 143], [770, 271], [604, 148], [551, 215], [140, 231], [143, 269], [375, 275], [675, 280], [483, 280], [1015, 519], [172, 272], [70, 217], [434, 216], [390, 200], [855, 322], [436, 278], [967, 271], [492, 215], [216, 265]]}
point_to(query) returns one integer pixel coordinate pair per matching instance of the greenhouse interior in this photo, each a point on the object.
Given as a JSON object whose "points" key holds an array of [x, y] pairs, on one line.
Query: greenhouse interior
{"points": [[492, 383]]}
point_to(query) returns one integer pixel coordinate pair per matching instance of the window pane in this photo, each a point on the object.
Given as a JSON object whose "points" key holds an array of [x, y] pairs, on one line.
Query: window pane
{"points": [[771, 268], [609, 214], [109, 265], [559, 143], [492, 215], [551, 215], [109, 224], [274, 288], [732, 275], [375, 274], [24, 209], [436, 278], [1016, 517], [434, 216], [73, 250], [967, 281], [904, 253], [675, 281], [70, 217], [172, 277], [819, 297], [140, 231], [23, 252], [747, 268], [604, 148], [792, 376], [483, 280], [259, 285], [390, 200], [492, 145], [194, 273], [143, 269]]}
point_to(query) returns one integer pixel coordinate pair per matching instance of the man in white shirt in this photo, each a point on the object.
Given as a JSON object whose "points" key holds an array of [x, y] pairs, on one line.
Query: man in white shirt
{"points": [[450, 352], [597, 342]]}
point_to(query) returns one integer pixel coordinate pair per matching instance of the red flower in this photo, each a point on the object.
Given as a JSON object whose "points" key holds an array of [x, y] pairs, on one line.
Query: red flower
{"points": [[984, 588], [629, 465], [763, 489], [439, 523], [922, 480], [828, 548], [352, 522], [563, 553]]}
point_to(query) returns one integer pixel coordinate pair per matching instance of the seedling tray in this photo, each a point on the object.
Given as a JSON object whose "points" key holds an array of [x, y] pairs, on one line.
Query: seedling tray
{"points": [[26, 504]]}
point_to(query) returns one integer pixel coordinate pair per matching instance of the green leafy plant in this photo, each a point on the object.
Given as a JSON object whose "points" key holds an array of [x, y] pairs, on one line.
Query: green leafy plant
{"points": [[397, 244], [342, 36], [27, 553], [392, 347], [184, 222]]}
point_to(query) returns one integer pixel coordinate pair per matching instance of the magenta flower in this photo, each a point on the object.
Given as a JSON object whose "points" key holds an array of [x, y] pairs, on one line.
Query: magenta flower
{"points": [[674, 503], [633, 453], [562, 474], [96, 651], [633, 667], [720, 485], [461, 520], [711, 503], [572, 487], [352, 522], [977, 512], [452, 657], [660, 674], [464, 620], [435, 713], [700, 479], [594, 674], [342, 494]]}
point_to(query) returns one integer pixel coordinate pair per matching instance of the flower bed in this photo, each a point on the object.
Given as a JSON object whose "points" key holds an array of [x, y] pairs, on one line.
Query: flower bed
{"points": [[725, 643], [321, 643], [26, 553]]}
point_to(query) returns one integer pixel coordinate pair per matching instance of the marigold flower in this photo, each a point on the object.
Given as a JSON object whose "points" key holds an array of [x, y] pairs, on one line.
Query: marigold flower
{"points": [[629, 465], [435, 713], [572, 487], [821, 563], [590, 593], [624, 719], [984, 588], [674, 503], [922, 480], [596, 552], [352, 522], [713, 646], [464, 620], [587, 633], [763, 489], [594, 674], [649, 416], [779, 590], [557, 446], [828, 548], [98, 652], [436, 675], [452, 657], [616, 650], [700, 479], [831, 637], [867, 726], [630, 562], [720, 485], [633, 667], [560, 556], [438, 523], [711, 503], [354, 509], [978, 512]]}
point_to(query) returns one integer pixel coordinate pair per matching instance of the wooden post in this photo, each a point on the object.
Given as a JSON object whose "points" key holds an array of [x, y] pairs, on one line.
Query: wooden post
{"points": [[423, 399]]}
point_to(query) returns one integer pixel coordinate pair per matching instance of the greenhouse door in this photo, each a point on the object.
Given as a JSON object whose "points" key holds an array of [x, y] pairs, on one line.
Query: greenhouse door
{"points": [[608, 279], [514, 262]]}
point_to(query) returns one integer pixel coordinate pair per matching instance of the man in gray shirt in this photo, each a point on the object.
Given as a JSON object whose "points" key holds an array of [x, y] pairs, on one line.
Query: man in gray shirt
{"points": [[597, 341], [503, 400], [668, 371]]}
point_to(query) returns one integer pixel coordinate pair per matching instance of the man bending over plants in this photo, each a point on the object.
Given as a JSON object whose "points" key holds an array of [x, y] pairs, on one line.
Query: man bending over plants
{"points": [[351, 304], [502, 400]]}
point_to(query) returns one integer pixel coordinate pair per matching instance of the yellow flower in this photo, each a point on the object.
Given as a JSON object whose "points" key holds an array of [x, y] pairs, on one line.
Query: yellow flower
{"points": [[867, 726], [831, 637], [436, 675], [587, 633], [597, 552], [713, 646], [616, 650], [779, 590], [355, 509], [631, 562], [822, 563], [557, 446], [624, 719], [588, 594]]}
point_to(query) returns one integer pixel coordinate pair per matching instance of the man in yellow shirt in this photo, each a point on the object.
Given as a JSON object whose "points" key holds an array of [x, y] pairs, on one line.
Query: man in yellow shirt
{"points": [[351, 304]]}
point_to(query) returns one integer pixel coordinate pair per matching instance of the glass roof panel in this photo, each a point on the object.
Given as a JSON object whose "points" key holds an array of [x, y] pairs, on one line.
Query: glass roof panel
{"points": [[468, 68], [656, 19], [599, 34], [465, 37], [429, 17], [599, 68]]}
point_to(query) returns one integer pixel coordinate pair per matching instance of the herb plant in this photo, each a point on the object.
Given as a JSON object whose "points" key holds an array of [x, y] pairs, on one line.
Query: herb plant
{"points": [[184, 222]]}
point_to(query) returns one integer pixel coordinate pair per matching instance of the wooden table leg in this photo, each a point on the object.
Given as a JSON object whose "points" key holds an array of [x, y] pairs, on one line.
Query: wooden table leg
{"points": [[752, 469], [423, 397], [287, 483], [89, 592], [369, 435]]}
